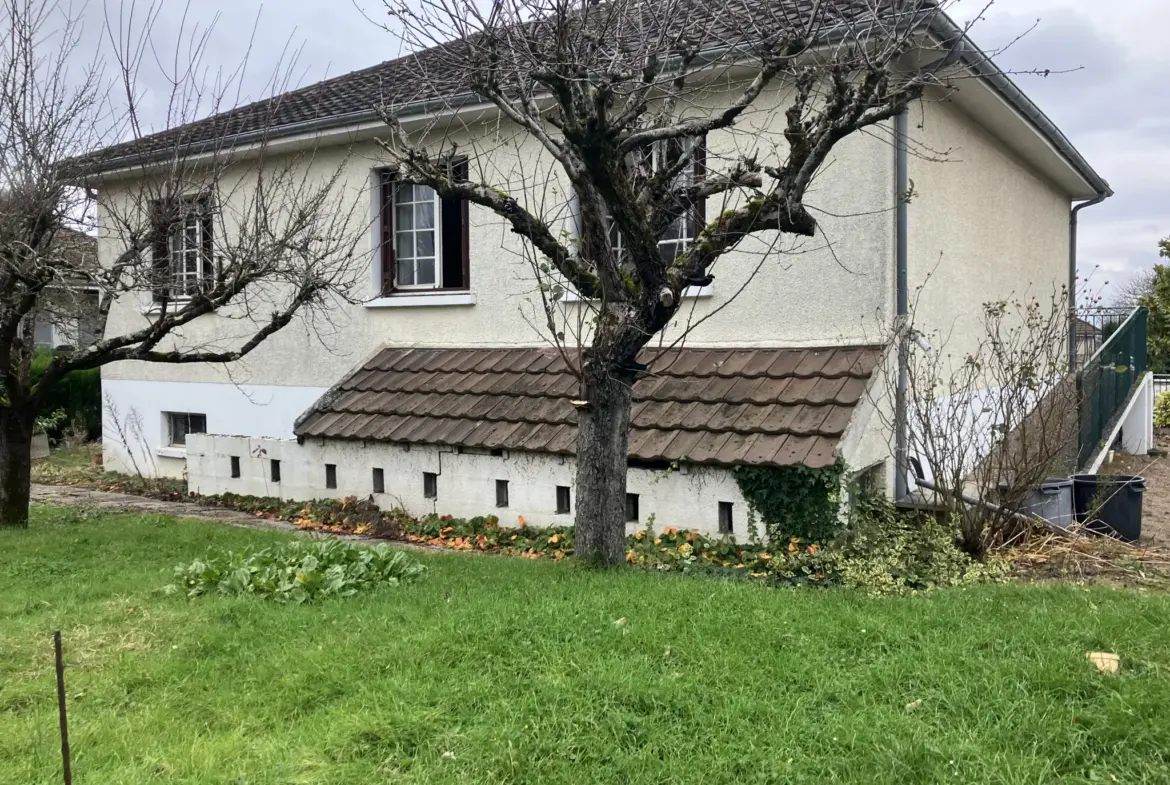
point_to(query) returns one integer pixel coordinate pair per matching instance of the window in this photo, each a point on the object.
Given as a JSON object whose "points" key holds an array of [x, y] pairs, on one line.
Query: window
{"points": [[632, 507], [330, 475], [274, 470], [180, 424], [501, 493], [184, 261], [726, 525], [430, 485], [564, 499], [379, 481], [681, 232], [425, 242], [235, 467]]}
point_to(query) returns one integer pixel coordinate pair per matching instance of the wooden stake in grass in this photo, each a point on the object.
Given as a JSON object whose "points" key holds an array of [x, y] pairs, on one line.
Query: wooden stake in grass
{"points": [[61, 709]]}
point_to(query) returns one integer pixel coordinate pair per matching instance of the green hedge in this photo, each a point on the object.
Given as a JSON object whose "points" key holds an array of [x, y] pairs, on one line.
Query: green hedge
{"points": [[78, 393]]}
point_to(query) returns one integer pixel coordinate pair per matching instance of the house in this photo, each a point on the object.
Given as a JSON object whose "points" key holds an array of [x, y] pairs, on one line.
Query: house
{"points": [[439, 392], [68, 313]]}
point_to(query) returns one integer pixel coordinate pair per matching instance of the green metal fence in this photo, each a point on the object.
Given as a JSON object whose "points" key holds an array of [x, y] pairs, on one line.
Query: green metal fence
{"points": [[1106, 379]]}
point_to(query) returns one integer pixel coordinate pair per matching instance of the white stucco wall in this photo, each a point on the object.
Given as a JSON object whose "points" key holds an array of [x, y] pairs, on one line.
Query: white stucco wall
{"points": [[804, 293], [687, 499], [139, 440], [984, 225]]}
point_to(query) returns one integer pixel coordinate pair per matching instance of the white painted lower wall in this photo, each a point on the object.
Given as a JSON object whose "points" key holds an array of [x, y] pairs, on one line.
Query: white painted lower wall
{"points": [[687, 499], [139, 440]]}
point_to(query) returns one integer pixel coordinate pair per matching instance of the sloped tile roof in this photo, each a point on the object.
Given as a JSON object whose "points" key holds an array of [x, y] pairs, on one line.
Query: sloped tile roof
{"points": [[766, 407], [428, 74]]}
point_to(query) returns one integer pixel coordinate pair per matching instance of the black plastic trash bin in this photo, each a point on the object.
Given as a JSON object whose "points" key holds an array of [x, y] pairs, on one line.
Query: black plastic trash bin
{"points": [[1110, 504]]}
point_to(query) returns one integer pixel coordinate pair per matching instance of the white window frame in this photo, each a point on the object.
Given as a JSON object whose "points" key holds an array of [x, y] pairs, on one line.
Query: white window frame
{"points": [[436, 230], [184, 282]]}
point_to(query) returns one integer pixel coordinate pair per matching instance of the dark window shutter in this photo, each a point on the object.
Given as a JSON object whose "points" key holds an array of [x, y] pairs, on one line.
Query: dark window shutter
{"points": [[160, 263], [208, 251], [455, 226], [386, 211], [699, 160]]}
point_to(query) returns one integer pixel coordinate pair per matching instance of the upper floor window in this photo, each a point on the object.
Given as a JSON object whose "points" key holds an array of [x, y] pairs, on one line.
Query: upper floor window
{"points": [[424, 238], [681, 232], [184, 262]]}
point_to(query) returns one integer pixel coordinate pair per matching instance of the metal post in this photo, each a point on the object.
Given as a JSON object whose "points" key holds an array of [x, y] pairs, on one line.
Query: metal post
{"points": [[61, 709]]}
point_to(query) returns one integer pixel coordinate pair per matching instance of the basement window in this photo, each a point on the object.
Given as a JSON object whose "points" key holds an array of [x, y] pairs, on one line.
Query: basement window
{"points": [[430, 485], [235, 466], [501, 493], [179, 424], [274, 470], [632, 507], [379, 481], [330, 475], [726, 524], [564, 499]]}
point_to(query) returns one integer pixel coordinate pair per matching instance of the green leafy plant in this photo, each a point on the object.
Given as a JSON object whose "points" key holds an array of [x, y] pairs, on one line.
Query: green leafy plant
{"points": [[1162, 411], [298, 572], [50, 423], [794, 501]]}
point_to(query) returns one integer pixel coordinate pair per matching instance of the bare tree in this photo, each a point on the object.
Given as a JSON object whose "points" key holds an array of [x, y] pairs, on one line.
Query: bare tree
{"points": [[621, 96], [256, 238], [1130, 294], [993, 422]]}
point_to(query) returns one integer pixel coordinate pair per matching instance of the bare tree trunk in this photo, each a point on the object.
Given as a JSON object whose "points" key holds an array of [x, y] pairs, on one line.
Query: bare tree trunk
{"points": [[15, 467], [599, 531]]}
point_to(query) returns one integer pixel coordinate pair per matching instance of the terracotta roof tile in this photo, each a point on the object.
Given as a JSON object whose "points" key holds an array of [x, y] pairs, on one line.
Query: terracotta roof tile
{"points": [[769, 407]]}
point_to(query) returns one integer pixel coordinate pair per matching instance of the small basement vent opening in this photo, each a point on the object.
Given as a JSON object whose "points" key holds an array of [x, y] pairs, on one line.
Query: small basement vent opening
{"points": [[379, 481], [726, 524], [330, 475], [564, 499], [501, 493], [235, 467], [430, 485], [632, 507], [274, 470]]}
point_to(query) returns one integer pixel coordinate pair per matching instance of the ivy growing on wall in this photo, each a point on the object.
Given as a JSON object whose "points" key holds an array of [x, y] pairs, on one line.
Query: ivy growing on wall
{"points": [[794, 501]]}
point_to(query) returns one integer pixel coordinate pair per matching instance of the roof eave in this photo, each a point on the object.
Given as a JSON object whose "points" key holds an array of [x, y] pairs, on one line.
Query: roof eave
{"points": [[978, 61]]}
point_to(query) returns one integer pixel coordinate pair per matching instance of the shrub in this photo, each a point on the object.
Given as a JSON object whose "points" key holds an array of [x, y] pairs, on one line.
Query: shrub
{"points": [[77, 393], [298, 571], [1162, 411]]}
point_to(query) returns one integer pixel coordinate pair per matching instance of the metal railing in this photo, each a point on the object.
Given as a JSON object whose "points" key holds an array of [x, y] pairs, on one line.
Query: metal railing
{"points": [[1161, 384], [1106, 377], [1092, 327]]}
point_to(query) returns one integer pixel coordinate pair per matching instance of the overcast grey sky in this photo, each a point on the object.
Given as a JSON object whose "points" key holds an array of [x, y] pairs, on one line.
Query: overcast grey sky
{"points": [[1115, 108]]}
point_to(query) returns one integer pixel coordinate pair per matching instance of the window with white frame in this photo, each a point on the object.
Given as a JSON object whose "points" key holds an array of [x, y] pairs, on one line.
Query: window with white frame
{"points": [[682, 231], [185, 262], [424, 238]]}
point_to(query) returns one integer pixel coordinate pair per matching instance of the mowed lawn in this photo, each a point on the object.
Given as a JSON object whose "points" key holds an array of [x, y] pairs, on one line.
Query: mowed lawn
{"points": [[498, 670]]}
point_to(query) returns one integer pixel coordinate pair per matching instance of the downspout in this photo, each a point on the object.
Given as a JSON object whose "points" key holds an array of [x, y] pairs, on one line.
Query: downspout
{"points": [[902, 298], [1072, 273]]}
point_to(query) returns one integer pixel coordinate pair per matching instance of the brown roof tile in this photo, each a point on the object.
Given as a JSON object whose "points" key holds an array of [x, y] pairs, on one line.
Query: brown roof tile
{"points": [[769, 407]]}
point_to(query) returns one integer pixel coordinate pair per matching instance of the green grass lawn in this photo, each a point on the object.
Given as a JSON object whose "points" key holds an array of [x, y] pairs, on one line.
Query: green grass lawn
{"points": [[505, 670]]}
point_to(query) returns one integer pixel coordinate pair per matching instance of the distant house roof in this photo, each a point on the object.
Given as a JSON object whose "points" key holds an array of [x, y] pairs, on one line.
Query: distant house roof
{"points": [[420, 82], [764, 407]]}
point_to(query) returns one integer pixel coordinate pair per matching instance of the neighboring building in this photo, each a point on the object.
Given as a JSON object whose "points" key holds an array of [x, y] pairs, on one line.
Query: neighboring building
{"points": [[436, 393], [68, 313]]}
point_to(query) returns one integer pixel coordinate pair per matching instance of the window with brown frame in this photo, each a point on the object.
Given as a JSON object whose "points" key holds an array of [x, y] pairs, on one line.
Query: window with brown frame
{"points": [[425, 242]]}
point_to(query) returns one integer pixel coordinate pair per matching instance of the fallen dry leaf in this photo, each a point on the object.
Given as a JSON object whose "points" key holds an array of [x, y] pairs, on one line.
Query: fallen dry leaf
{"points": [[1105, 662]]}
